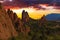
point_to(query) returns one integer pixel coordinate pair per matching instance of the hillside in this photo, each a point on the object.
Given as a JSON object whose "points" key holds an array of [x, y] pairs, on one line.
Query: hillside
{"points": [[53, 17], [14, 28]]}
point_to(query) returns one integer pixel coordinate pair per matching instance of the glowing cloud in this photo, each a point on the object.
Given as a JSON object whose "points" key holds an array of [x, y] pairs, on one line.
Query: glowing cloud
{"points": [[1, 1], [10, 0]]}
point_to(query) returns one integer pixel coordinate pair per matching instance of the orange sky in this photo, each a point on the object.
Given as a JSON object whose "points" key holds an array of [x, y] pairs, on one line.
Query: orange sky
{"points": [[33, 13]]}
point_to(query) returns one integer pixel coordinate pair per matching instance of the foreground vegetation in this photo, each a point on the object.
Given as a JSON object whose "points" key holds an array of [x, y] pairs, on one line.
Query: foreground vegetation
{"points": [[47, 31]]}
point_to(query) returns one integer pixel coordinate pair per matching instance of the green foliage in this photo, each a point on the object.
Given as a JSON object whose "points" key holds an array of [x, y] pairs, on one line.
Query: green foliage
{"points": [[45, 32]]}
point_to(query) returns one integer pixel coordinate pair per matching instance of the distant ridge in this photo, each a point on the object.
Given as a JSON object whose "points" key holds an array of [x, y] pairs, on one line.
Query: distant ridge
{"points": [[53, 17]]}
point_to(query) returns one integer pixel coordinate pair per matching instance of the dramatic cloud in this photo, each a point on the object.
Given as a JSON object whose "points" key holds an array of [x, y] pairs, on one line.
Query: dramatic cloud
{"points": [[33, 3]]}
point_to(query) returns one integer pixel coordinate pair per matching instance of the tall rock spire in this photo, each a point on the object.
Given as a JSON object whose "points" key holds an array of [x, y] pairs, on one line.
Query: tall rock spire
{"points": [[25, 16]]}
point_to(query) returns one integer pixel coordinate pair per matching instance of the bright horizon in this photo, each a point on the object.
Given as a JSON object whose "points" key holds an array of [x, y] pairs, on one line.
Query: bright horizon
{"points": [[33, 13]]}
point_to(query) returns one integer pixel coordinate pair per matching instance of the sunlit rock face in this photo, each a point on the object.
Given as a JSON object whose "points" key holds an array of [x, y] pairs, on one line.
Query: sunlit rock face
{"points": [[6, 27]]}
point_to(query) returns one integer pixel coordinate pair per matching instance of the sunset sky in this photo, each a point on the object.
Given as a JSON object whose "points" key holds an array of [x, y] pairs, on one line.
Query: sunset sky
{"points": [[35, 8]]}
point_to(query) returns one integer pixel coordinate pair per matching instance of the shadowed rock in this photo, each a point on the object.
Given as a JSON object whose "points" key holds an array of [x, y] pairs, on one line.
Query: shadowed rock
{"points": [[25, 16]]}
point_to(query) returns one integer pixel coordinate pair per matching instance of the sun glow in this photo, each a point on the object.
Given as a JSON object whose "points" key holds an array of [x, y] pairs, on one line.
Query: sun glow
{"points": [[26, 9], [33, 13]]}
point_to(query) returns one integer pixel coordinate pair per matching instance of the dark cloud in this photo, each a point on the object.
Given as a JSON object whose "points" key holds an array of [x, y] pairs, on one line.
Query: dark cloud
{"points": [[28, 3]]}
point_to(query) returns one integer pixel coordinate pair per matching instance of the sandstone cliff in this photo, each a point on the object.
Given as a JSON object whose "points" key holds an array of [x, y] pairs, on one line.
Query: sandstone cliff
{"points": [[18, 25], [7, 29]]}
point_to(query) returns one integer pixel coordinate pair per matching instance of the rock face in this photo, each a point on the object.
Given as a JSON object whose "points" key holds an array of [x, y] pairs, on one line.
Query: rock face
{"points": [[19, 25], [17, 22], [11, 25], [25, 20], [6, 26], [25, 16]]}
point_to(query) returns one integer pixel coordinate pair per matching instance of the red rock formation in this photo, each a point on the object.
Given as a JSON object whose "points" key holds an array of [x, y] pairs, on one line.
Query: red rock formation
{"points": [[7, 29], [25, 16], [18, 24], [11, 25], [25, 20]]}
